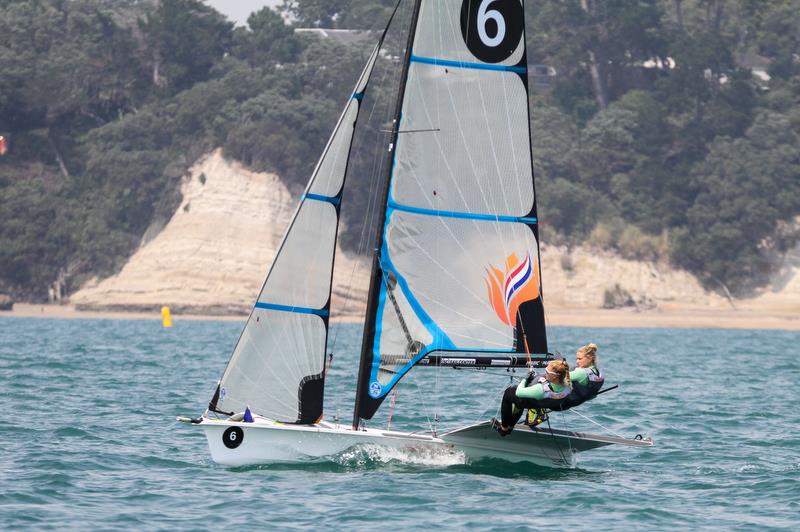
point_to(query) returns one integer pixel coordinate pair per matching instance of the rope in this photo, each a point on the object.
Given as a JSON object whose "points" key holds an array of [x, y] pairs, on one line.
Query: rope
{"points": [[391, 409], [598, 424], [560, 452]]}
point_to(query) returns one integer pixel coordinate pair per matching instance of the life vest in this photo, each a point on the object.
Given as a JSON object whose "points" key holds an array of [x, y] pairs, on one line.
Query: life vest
{"points": [[584, 392], [552, 399], [550, 393], [596, 380], [569, 397]]}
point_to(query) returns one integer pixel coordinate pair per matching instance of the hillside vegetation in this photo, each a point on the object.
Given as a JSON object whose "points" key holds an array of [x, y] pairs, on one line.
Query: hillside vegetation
{"points": [[653, 138]]}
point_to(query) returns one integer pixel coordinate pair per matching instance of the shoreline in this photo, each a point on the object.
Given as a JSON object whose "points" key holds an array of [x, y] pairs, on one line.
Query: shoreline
{"points": [[661, 318]]}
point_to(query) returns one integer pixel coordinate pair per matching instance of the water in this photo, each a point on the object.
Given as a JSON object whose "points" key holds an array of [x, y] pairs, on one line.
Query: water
{"points": [[89, 438]]}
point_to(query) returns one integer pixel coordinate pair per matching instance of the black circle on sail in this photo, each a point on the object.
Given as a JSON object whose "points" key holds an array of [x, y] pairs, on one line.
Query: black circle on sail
{"points": [[232, 437], [492, 29]]}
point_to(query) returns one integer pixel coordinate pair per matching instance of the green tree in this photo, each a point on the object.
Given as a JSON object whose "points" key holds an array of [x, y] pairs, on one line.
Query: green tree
{"points": [[746, 186], [184, 38], [267, 40]]}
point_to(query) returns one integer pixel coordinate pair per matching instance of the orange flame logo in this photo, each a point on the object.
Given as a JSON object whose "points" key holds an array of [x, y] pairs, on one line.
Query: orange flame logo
{"points": [[510, 288]]}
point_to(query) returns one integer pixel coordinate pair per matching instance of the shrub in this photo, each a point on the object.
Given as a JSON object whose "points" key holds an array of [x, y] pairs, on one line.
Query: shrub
{"points": [[617, 297]]}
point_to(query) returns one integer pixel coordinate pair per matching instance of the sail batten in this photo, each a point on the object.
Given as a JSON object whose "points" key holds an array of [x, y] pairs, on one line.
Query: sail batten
{"points": [[288, 308], [459, 237], [319, 197], [465, 64], [465, 215]]}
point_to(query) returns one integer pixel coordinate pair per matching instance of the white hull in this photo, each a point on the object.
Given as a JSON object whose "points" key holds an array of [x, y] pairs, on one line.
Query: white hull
{"points": [[265, 441]]}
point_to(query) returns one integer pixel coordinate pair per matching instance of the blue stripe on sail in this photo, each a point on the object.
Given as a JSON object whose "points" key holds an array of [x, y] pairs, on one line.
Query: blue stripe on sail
{"points": [[440, 339], [465, 64], [465, 215], [289, 308], [319, 197], [439, 336], [358, 96]]}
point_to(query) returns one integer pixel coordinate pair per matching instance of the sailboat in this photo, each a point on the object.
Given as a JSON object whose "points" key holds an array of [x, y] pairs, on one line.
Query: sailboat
{"points": [[455, 276]]}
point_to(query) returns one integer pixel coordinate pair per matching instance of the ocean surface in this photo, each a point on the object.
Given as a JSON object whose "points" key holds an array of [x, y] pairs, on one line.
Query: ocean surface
{"points": [[89, 437]]}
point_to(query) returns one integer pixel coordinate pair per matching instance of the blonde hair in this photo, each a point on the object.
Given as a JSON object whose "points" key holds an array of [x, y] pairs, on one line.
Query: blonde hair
{"points": [[560, 368], [589, 350]]}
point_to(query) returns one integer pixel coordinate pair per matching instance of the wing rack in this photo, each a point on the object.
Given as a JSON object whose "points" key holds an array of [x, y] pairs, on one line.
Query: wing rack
{"points": [[468, 360]]}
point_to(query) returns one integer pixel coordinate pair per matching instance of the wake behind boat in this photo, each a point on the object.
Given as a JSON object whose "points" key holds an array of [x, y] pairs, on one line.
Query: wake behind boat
{"points": [[456, 275]]}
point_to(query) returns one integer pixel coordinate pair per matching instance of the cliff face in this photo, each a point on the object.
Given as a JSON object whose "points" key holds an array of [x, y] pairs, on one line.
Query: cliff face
{"points": [[213, 254], [584, 277]]}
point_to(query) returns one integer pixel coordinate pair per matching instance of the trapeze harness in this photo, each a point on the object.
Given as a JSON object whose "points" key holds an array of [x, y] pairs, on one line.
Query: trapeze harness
{"points": [[552, 399], [569, 397], [584, 392]]}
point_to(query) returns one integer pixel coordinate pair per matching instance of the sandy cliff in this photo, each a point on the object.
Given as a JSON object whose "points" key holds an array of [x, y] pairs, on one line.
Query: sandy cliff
{"points": [[212, 255], [580, 277]]}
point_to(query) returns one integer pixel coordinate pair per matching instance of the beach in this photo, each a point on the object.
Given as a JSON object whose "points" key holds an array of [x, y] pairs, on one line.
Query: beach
{"points": [[676, 317]]}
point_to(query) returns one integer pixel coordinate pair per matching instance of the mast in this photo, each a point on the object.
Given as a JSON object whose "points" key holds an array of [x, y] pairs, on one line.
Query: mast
{"points": [[376, 274]]}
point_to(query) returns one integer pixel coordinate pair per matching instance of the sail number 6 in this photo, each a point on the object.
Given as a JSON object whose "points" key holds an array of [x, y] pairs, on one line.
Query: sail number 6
{"points": [[232, 437], [485, 16], [492, 29]]}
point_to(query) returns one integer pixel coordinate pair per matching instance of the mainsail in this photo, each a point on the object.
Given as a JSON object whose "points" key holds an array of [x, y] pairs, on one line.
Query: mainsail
{"points": [[277, 366], [457, 267]]}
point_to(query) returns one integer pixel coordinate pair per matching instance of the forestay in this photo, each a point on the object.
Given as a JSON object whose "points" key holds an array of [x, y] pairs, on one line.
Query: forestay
{"points": [[277, 366], [458, 266]]}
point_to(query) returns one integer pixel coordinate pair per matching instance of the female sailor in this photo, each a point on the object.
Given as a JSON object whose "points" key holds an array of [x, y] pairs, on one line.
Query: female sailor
{"points": [[548, 392], [586, 378]]}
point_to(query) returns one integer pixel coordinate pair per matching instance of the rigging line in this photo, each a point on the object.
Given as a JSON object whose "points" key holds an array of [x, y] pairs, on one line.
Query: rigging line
{"points": [[598, 424], [495, 399], [310, 183], [422, 294], [447, 273], [361, 88], [369, 339], [370, 195], [400, 318], [423, 403], [377, 168], [557, 444], [391, 409], [564, 421], [524, 336]]}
